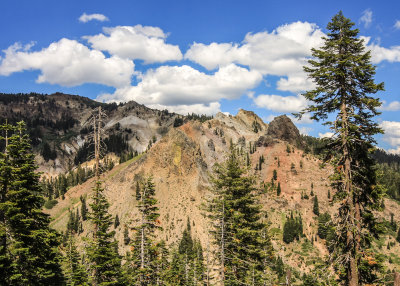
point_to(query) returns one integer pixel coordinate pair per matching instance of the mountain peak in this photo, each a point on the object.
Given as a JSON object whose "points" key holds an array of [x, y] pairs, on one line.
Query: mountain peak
{"points": [[281, 127], [249, 118]]}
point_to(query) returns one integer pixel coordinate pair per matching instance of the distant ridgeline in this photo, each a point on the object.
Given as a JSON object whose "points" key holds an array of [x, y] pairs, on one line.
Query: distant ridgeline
{"points": [[50, 119], [53, 119]]}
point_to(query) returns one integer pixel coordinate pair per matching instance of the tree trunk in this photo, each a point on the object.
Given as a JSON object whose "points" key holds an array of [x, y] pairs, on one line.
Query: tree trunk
{"points": [[396, 279], [208, 261], [352, 271], [288, 278], [223, 245]]}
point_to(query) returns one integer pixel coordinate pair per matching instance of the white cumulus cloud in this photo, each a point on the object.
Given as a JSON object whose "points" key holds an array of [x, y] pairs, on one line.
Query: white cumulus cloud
{"points": [[392, 106], [392, 132], [184, 86], [326, 135], [84, 18], [211, 108], [366, 18], [295, 83], [397, 25], [68, 63], [282, 52], [379, 53], [395, 151], [279, 103], [136, 42]]}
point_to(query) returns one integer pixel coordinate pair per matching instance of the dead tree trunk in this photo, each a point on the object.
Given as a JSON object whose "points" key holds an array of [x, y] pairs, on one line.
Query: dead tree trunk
{"points": [[396, 279], [288, 278], [223, 245]]}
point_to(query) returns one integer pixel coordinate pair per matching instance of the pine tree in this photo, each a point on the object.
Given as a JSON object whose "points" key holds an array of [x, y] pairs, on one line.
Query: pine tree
{"points": [[315, 206], [83, 208], [127, 239], [28, 249], [278, 189], [324, 225], [71, 222], [274, 175], [76, 222], [143, 258], [116, 221], [238, 228], [398, 236], [75, 272], [187, 267], [343, 75], [105, 263], [292, 229]]}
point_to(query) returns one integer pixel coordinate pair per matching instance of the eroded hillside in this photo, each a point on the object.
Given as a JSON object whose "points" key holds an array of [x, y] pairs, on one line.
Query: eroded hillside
{"points": [[181, 162]]}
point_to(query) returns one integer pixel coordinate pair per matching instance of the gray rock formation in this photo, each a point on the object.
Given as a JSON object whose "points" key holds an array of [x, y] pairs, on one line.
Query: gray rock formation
{"points": [[283, 128]]}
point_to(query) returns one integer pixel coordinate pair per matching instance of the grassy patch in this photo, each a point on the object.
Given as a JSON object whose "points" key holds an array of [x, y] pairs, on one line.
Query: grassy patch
{"points": [[116, 170], [63, 211]]}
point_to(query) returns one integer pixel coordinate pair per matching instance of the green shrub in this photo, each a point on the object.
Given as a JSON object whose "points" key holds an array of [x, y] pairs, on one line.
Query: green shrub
{"points": [[50, 204]]}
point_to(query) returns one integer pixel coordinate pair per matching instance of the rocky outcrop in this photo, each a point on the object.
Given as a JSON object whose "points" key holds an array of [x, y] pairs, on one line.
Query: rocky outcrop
{"points": [[251, 120], [265, 141], [283, 128]]}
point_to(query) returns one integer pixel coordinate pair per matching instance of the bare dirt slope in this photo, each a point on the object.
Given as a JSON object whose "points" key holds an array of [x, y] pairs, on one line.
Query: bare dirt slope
{"points": [[181, 163]]}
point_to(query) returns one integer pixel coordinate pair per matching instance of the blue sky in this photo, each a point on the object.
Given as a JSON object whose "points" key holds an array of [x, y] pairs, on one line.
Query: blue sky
{"points": [[191, 56]]}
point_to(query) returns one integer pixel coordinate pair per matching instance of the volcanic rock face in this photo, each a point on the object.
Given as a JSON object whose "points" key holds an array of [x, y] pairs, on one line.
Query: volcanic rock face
{"points": [[283, 128]]}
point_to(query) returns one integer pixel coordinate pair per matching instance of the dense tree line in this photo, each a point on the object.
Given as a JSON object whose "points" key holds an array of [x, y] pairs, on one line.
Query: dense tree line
{"points": [[7, 98], [199, 117], [115, 143]]}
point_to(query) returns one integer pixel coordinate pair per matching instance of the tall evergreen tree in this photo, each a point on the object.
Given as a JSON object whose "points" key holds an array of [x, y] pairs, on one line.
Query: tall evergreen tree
{"points": [[75, 272], [105, 263], [343, 75], [116, 221], [127, 239], [83, 208], [28, 250], [278, 189], [237, 223], [144, 255], [398, 236], [315, 206], [187, 267]]}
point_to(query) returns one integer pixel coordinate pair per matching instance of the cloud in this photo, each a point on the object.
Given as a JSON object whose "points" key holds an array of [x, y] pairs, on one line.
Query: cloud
{"points": [[211, 108], [305, 119], [395, 151], [380, 54], [392, 132], [305, 130], [68, 63], [182, 86], [136, 42], [283, 52], [279, 103], [84, 18], [295, 83], [366, 18], [393, 106], [326, 135], [397, 25]]}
